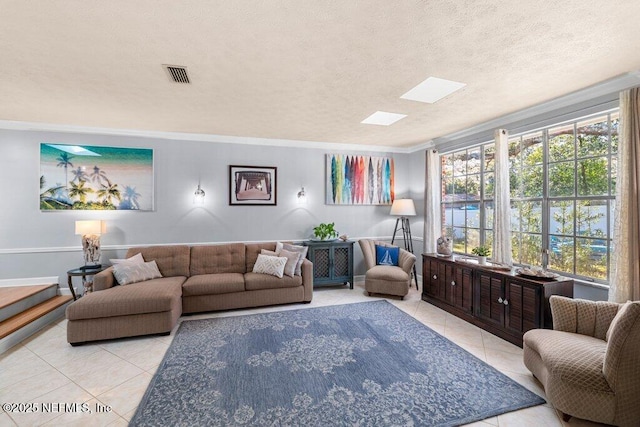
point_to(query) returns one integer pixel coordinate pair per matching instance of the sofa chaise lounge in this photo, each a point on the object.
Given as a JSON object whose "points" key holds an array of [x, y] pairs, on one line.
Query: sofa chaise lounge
{"points": [[194, 279]]}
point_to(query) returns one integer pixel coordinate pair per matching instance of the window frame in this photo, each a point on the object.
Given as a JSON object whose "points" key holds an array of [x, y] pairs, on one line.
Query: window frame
{"points": [[545, 201]]}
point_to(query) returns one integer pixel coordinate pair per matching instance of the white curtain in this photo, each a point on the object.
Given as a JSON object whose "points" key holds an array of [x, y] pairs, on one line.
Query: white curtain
{"points": [[502, 209], [625, 268], [432, 212]]}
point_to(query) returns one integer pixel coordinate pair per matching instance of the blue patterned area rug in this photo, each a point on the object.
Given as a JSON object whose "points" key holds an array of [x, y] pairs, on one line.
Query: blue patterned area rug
{"points": [[365, 364]]}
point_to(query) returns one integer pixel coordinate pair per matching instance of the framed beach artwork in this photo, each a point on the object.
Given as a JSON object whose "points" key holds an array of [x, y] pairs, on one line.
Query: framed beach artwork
{"points": [[359, 180], [87, 177], [253, 185]]}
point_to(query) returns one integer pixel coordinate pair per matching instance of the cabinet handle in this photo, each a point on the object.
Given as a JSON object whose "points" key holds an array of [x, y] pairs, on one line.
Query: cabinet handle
{"points": [[453, 283], [435, 277], [500, 300], [506, 302]]}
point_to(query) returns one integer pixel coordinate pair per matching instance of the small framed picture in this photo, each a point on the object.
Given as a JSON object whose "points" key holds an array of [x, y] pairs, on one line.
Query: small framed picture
{"points": [[253, 185]]}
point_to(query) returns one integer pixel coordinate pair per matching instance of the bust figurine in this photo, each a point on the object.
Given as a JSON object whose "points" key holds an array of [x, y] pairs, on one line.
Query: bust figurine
{"points": [[444, 246]]}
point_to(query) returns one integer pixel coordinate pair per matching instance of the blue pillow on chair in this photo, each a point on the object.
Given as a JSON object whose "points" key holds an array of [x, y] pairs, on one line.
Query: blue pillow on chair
{"points": [[387, 255]]}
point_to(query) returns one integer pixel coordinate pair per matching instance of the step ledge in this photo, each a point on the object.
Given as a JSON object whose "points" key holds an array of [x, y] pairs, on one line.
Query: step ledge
{"points": [[30, 315], [30, 329]]}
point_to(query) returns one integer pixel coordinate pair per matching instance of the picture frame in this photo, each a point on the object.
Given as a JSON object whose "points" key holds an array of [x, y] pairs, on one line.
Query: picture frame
{"points": [[253, 185], [91, 177], [353, 179]]}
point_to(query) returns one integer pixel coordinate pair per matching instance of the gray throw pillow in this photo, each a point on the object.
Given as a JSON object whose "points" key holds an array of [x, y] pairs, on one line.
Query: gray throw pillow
{"points": [[302, 250]]}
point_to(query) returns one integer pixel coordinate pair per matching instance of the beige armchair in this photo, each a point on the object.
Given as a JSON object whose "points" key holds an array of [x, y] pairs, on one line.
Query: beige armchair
{"points": [[386, 279], [589, 364]]}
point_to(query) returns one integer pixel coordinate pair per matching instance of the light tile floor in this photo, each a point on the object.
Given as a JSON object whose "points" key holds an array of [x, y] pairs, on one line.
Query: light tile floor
{"points": [[115, 374]]}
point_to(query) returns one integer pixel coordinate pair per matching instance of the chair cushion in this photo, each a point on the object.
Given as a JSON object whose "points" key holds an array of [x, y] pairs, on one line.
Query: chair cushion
{"points": [[575, 359], [388, 273], [622, 341], [213, 284]]}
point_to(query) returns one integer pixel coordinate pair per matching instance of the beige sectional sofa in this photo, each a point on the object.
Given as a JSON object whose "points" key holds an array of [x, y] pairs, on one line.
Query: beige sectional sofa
{"points": [[194, 279]]}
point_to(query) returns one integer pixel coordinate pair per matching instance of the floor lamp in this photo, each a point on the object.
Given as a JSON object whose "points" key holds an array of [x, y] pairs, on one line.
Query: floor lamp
{"points": [[404, 208]]}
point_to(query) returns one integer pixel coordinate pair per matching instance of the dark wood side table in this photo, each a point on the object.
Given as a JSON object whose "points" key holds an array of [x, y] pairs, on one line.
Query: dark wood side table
{"points": [[81, 272]]}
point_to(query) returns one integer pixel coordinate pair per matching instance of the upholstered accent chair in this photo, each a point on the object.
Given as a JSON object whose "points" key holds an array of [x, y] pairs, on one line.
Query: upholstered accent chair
{"points": [[386, 279], [589, 364]]}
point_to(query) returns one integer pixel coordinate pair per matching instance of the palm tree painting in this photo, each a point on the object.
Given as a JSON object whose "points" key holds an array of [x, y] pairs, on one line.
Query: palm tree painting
{"points": [[359, 180], [101, 178]]}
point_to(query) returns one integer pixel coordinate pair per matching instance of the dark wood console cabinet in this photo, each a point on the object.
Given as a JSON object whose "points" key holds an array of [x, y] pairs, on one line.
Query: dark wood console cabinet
{"points": [[500, 302]]}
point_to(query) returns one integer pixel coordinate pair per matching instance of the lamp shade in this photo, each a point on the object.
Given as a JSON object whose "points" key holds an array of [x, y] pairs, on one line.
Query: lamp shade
{"points": [[403, 207], [90, 227]]}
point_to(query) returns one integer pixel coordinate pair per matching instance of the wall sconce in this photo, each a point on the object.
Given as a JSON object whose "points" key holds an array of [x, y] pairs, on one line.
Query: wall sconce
{"points": [[90, 232], [302, 197], [198, 196]]}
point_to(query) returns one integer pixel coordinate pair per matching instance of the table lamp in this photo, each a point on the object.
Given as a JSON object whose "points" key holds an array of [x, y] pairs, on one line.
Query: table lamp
{"points": [[90, 232]]}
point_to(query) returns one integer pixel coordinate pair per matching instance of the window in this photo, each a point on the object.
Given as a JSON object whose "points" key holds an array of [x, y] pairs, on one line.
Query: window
{"points": [[562, 185]]}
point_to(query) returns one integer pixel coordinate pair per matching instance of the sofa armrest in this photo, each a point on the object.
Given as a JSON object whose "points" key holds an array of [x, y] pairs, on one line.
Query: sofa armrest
{"points": [[406, 261], [307, 279], [104, 280], [581, 316]]}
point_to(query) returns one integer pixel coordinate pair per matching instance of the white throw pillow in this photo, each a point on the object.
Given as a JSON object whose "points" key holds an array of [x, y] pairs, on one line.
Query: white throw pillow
{"points": [[127, 273], [136, 259], [272, 265]]}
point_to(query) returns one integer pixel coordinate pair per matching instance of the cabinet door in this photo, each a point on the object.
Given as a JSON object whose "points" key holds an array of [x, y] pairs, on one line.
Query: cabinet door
{"points": [[523, 307], [341, 263], [430, 277], [489, 298], [463, 289], [444, 277], [320, 256]]}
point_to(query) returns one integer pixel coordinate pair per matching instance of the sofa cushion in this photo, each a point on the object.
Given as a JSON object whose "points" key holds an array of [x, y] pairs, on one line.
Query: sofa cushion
{"points": [[172, 260], [252, 250], [132, 272], [152, 296], [255, 281], [211, 284], [213, 259]]}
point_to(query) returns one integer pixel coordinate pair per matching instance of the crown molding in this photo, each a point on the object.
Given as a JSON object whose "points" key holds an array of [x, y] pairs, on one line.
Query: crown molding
{"points": [[200, 137], [600, 93]]}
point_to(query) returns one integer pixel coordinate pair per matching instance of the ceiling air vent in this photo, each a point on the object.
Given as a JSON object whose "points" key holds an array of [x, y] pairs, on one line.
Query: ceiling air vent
{"points": [[177, 73]]}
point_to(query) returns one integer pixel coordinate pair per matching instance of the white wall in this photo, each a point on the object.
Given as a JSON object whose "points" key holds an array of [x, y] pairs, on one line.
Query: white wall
{"points": [[37, 244]]}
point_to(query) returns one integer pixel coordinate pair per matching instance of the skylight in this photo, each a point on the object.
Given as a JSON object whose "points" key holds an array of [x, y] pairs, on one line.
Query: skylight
{"points": [[383, 118], [432, 90]]}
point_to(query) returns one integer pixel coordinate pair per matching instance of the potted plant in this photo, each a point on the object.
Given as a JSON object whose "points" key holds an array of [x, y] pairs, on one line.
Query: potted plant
{"points": [[482, 252], [325, 231]]}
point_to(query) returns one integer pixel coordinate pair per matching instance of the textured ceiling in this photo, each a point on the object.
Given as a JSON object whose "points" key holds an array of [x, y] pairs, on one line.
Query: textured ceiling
{"points": [[303, 70]]}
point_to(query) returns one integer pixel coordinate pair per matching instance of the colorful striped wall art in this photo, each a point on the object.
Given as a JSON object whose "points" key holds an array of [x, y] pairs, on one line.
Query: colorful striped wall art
{"points": [[359, 180]]}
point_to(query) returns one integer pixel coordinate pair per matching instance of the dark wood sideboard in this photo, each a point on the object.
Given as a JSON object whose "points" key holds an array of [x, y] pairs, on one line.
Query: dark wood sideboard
{"points": [[500, 302]]}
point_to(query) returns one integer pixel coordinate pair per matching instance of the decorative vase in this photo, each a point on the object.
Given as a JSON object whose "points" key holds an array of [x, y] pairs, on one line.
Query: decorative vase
{"points": [[482, 260]]}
